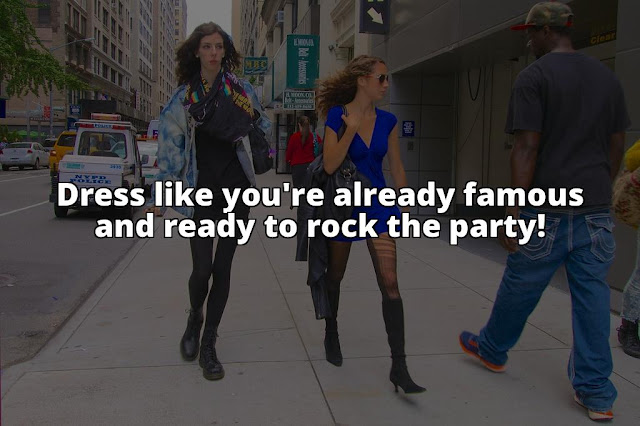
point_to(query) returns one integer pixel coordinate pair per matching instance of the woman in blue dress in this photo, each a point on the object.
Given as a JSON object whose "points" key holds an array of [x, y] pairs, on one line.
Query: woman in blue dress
{"points": [[370, 134]]}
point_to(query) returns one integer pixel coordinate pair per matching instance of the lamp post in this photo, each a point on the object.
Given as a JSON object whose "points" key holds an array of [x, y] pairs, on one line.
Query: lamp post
{"points": [[51, 85]]}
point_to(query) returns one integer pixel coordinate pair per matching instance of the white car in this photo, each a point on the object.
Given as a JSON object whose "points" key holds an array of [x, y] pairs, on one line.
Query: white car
{"points": [[149, 160], [30, 154]]}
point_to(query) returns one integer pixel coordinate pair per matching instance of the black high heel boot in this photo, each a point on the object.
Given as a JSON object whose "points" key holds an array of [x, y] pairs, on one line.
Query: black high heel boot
{"points": [[211, 366], [331, 341], [190, 342], [393, 313]]}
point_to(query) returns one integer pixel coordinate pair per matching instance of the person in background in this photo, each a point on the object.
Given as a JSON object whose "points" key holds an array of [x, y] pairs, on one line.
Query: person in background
{"points": [[300, 150], [561, 144], [630, 315]]}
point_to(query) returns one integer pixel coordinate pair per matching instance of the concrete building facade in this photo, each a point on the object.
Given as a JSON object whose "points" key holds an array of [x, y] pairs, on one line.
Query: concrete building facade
{"points": [[141, 57], [163, 54], [454, 84], [452, 65], [180, 16]]}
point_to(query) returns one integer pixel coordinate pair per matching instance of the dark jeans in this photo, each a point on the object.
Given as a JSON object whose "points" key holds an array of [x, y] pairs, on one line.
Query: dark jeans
{"points": [[585, 244]]}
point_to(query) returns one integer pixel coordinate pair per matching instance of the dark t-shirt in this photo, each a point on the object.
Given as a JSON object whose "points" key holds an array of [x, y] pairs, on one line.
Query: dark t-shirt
{"points": [[576, 103]]}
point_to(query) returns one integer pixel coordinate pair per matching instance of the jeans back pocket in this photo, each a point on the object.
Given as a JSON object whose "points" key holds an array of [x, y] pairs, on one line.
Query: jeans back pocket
{"points": [[538, 247], [603, 244]]}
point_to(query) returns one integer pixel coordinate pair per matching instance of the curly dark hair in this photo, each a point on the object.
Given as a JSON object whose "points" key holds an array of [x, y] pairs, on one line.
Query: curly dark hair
{"points": [[189, 64], [341, 88]]}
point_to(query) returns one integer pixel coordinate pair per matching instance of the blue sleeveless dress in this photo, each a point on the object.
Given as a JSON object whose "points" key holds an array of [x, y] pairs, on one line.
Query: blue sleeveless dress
{"points": [[368, 161]]}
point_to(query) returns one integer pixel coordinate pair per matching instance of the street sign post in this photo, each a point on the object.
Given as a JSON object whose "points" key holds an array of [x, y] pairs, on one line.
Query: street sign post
{"points": [[301, 100], [374, 16]]}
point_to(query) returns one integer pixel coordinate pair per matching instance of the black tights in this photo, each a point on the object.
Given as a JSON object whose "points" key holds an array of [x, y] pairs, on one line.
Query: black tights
{"points": [[383, 256], [220, 270]]}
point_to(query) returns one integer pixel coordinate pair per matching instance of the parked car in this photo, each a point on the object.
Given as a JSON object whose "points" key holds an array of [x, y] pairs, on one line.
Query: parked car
{"points": [[64, 145], [149, 160], [49, 143], [22, 154]]}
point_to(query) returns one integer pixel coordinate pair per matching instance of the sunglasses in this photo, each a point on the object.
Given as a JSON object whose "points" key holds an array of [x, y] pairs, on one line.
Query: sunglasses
{"points": [[381, 77]]}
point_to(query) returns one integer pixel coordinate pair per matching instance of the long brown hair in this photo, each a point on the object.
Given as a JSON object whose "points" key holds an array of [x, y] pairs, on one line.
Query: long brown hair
{"points": [[303, 122], [341, 88], [189, 64]]}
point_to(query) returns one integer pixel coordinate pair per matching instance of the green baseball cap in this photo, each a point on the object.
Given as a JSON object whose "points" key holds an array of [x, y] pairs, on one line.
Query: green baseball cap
{"points": [[551, 13]]}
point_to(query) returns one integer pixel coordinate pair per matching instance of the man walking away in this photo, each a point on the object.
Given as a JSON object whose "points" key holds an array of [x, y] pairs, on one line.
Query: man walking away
{"points": [[568, 117]]}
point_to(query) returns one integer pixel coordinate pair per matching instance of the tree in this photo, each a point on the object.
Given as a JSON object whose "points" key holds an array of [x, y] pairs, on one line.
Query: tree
{"points": [[25, 63]]}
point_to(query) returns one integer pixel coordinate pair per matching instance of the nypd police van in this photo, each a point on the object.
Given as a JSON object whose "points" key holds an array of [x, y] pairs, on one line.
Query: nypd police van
{"points": [[105, 155]]}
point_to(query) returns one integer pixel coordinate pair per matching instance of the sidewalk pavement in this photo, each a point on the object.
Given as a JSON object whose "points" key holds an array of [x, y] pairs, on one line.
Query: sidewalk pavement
{"points": [[116, 361]]}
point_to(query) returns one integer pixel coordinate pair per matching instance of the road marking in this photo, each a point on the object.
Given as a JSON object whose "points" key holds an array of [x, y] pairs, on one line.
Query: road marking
{"points": [[30, 177], [24, 208]]}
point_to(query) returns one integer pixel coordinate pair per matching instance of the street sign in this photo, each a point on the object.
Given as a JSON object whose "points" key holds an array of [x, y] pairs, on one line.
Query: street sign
{"points": [[374, 16], [74, 109], [255, 65], [46, 112], [301, 100], [408, 129], [303, 53]]}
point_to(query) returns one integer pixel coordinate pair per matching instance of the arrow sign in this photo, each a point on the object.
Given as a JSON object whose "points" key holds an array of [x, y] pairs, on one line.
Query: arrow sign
{"points": [[375, 16]]}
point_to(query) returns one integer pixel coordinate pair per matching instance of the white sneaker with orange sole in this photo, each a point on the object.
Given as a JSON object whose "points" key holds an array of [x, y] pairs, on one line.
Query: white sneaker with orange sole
{"points": [[595, 415]]}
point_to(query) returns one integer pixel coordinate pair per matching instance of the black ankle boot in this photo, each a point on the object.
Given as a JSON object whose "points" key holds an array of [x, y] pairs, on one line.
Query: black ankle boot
{"points": [[393, 313], [628, 338], [331, 341], [211, 367], [190, 343]]}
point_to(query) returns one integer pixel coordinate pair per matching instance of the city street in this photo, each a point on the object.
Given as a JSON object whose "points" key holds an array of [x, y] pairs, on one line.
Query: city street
{"points": [[49, 265]]}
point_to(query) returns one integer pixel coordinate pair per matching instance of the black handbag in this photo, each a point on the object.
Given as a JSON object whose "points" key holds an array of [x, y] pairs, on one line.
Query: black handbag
{"points": [[344, 177], [262, 161]]}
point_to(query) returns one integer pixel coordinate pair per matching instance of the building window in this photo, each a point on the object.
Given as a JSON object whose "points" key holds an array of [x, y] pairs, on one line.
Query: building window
{"points": [[83, 26], [113, 26], [120, 56], [76, 20], [44, 13], [105, 44], [105, 17], [294, 15]]}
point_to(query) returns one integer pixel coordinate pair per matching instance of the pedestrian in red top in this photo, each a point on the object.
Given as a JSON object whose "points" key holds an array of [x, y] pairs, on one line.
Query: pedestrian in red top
{"points": [[300, 154]]}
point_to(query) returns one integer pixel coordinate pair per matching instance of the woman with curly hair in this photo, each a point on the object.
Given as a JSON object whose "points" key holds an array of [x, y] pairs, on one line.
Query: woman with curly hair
{"points": [[369, 136], [202, 141]]}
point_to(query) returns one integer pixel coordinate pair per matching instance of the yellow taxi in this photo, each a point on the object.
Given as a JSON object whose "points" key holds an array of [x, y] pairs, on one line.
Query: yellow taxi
{"points": [[64, 145]]}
